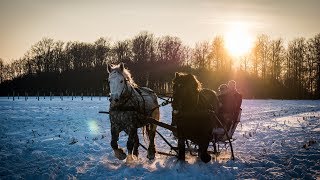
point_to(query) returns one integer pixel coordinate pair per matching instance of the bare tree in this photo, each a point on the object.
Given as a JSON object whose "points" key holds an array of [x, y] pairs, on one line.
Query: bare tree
{"points": [[218, 59], [313, 65], [58, 57], [41, 52], [261, 52], [245, 62], [122, 51], [201, 55], [277, 53], [296, 57], [143, 48], [1, 70], [170, 51], [102, 51]]}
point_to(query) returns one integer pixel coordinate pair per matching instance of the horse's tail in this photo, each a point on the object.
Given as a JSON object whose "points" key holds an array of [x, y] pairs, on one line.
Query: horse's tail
{"points": [[149, 130]]}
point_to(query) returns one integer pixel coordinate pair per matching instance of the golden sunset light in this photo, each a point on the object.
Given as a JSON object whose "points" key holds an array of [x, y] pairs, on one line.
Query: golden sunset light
{"points": [[238, 39], [159, 89]]}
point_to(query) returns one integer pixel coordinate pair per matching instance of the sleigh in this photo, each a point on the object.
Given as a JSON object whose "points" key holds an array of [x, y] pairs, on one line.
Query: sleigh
{"points": [[224, 133]]}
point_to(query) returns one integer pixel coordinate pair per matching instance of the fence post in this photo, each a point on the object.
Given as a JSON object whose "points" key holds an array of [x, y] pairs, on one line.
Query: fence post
{"points": [[13, 95]]}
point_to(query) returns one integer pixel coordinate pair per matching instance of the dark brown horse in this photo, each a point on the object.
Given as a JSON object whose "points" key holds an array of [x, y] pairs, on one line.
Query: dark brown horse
{"points": [[192, 109]]}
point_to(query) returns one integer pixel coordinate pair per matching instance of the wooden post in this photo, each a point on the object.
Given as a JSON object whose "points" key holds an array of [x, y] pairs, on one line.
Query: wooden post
{"points": [[91, 96], [18, 95], [38, 96], [81, 96], [13, 95], [44, 95], [72, 96], [25, 96], [100, 97], [50, 96]]}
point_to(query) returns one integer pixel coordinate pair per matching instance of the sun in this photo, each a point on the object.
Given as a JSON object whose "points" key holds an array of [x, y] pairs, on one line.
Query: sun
{"points": [[238, 40]]}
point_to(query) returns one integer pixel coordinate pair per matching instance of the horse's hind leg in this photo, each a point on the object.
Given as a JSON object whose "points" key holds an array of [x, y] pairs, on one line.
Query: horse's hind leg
{"points": [[151, 130]]}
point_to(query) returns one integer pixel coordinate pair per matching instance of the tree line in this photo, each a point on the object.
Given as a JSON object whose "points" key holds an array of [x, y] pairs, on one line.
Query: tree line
{"points": [[272, 69]]}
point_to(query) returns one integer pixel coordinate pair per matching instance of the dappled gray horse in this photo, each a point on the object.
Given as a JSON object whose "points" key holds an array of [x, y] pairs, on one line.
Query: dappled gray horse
{"points": [[130, 105]]}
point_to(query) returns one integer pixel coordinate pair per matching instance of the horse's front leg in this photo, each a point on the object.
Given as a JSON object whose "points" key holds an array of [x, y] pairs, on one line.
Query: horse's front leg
{"points": [[131, 143], [118, 152], [203, 152], [181, 148], [136, 145]]}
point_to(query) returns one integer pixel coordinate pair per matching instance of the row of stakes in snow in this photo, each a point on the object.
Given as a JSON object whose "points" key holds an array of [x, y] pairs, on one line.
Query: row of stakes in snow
{"points": [[26, 97]]}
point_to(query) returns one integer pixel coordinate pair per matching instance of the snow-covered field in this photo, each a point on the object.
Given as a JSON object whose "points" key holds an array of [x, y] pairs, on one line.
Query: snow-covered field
{"points": [[70, 139]]}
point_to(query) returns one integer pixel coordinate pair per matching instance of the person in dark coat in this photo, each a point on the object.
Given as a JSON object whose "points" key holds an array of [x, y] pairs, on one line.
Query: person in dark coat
{"points": [[224, 112], [222, 96], [231, 101], [235, 99]]}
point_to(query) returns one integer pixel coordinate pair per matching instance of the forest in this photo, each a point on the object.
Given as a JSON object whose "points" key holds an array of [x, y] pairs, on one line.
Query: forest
{"points": [[274, 68]]}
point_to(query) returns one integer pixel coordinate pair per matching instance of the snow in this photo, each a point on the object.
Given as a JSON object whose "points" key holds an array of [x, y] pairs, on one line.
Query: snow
{"points": [[57, 139]]}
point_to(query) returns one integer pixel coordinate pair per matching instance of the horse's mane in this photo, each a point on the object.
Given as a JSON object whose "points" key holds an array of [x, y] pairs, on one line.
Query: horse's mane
{"points": [[190, 78], [198, 84], [126, 74]]}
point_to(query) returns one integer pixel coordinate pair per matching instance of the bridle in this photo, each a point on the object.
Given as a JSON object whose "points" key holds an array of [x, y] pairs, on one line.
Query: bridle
{"points": [[178, 103], [124, 89]]}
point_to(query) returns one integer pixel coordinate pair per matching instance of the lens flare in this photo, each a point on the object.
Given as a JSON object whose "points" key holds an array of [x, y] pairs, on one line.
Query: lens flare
{"points": [[93, 126]]}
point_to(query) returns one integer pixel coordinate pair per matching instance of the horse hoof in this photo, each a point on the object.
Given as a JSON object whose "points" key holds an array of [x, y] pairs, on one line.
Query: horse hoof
{"points": [[119, 153], [136, 154], [131, 158], [151, 153], [151, 156], [205, 157]]}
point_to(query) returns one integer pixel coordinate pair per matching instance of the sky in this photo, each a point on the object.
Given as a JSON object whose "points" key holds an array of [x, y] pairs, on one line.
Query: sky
{"points": [[25, 22]]}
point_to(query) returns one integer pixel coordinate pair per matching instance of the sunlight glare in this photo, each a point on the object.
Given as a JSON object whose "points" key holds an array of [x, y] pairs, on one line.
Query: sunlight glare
{"points": [[238, 41], [93, 126]]}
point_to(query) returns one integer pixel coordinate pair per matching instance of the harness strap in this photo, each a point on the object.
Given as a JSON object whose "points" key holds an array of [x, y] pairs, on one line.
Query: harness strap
{"points": [[144, 102], [124, 108]]}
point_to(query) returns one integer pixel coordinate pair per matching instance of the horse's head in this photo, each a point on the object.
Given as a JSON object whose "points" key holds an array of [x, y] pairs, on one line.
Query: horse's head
{"points": [[119, 81], [185, 90]]}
